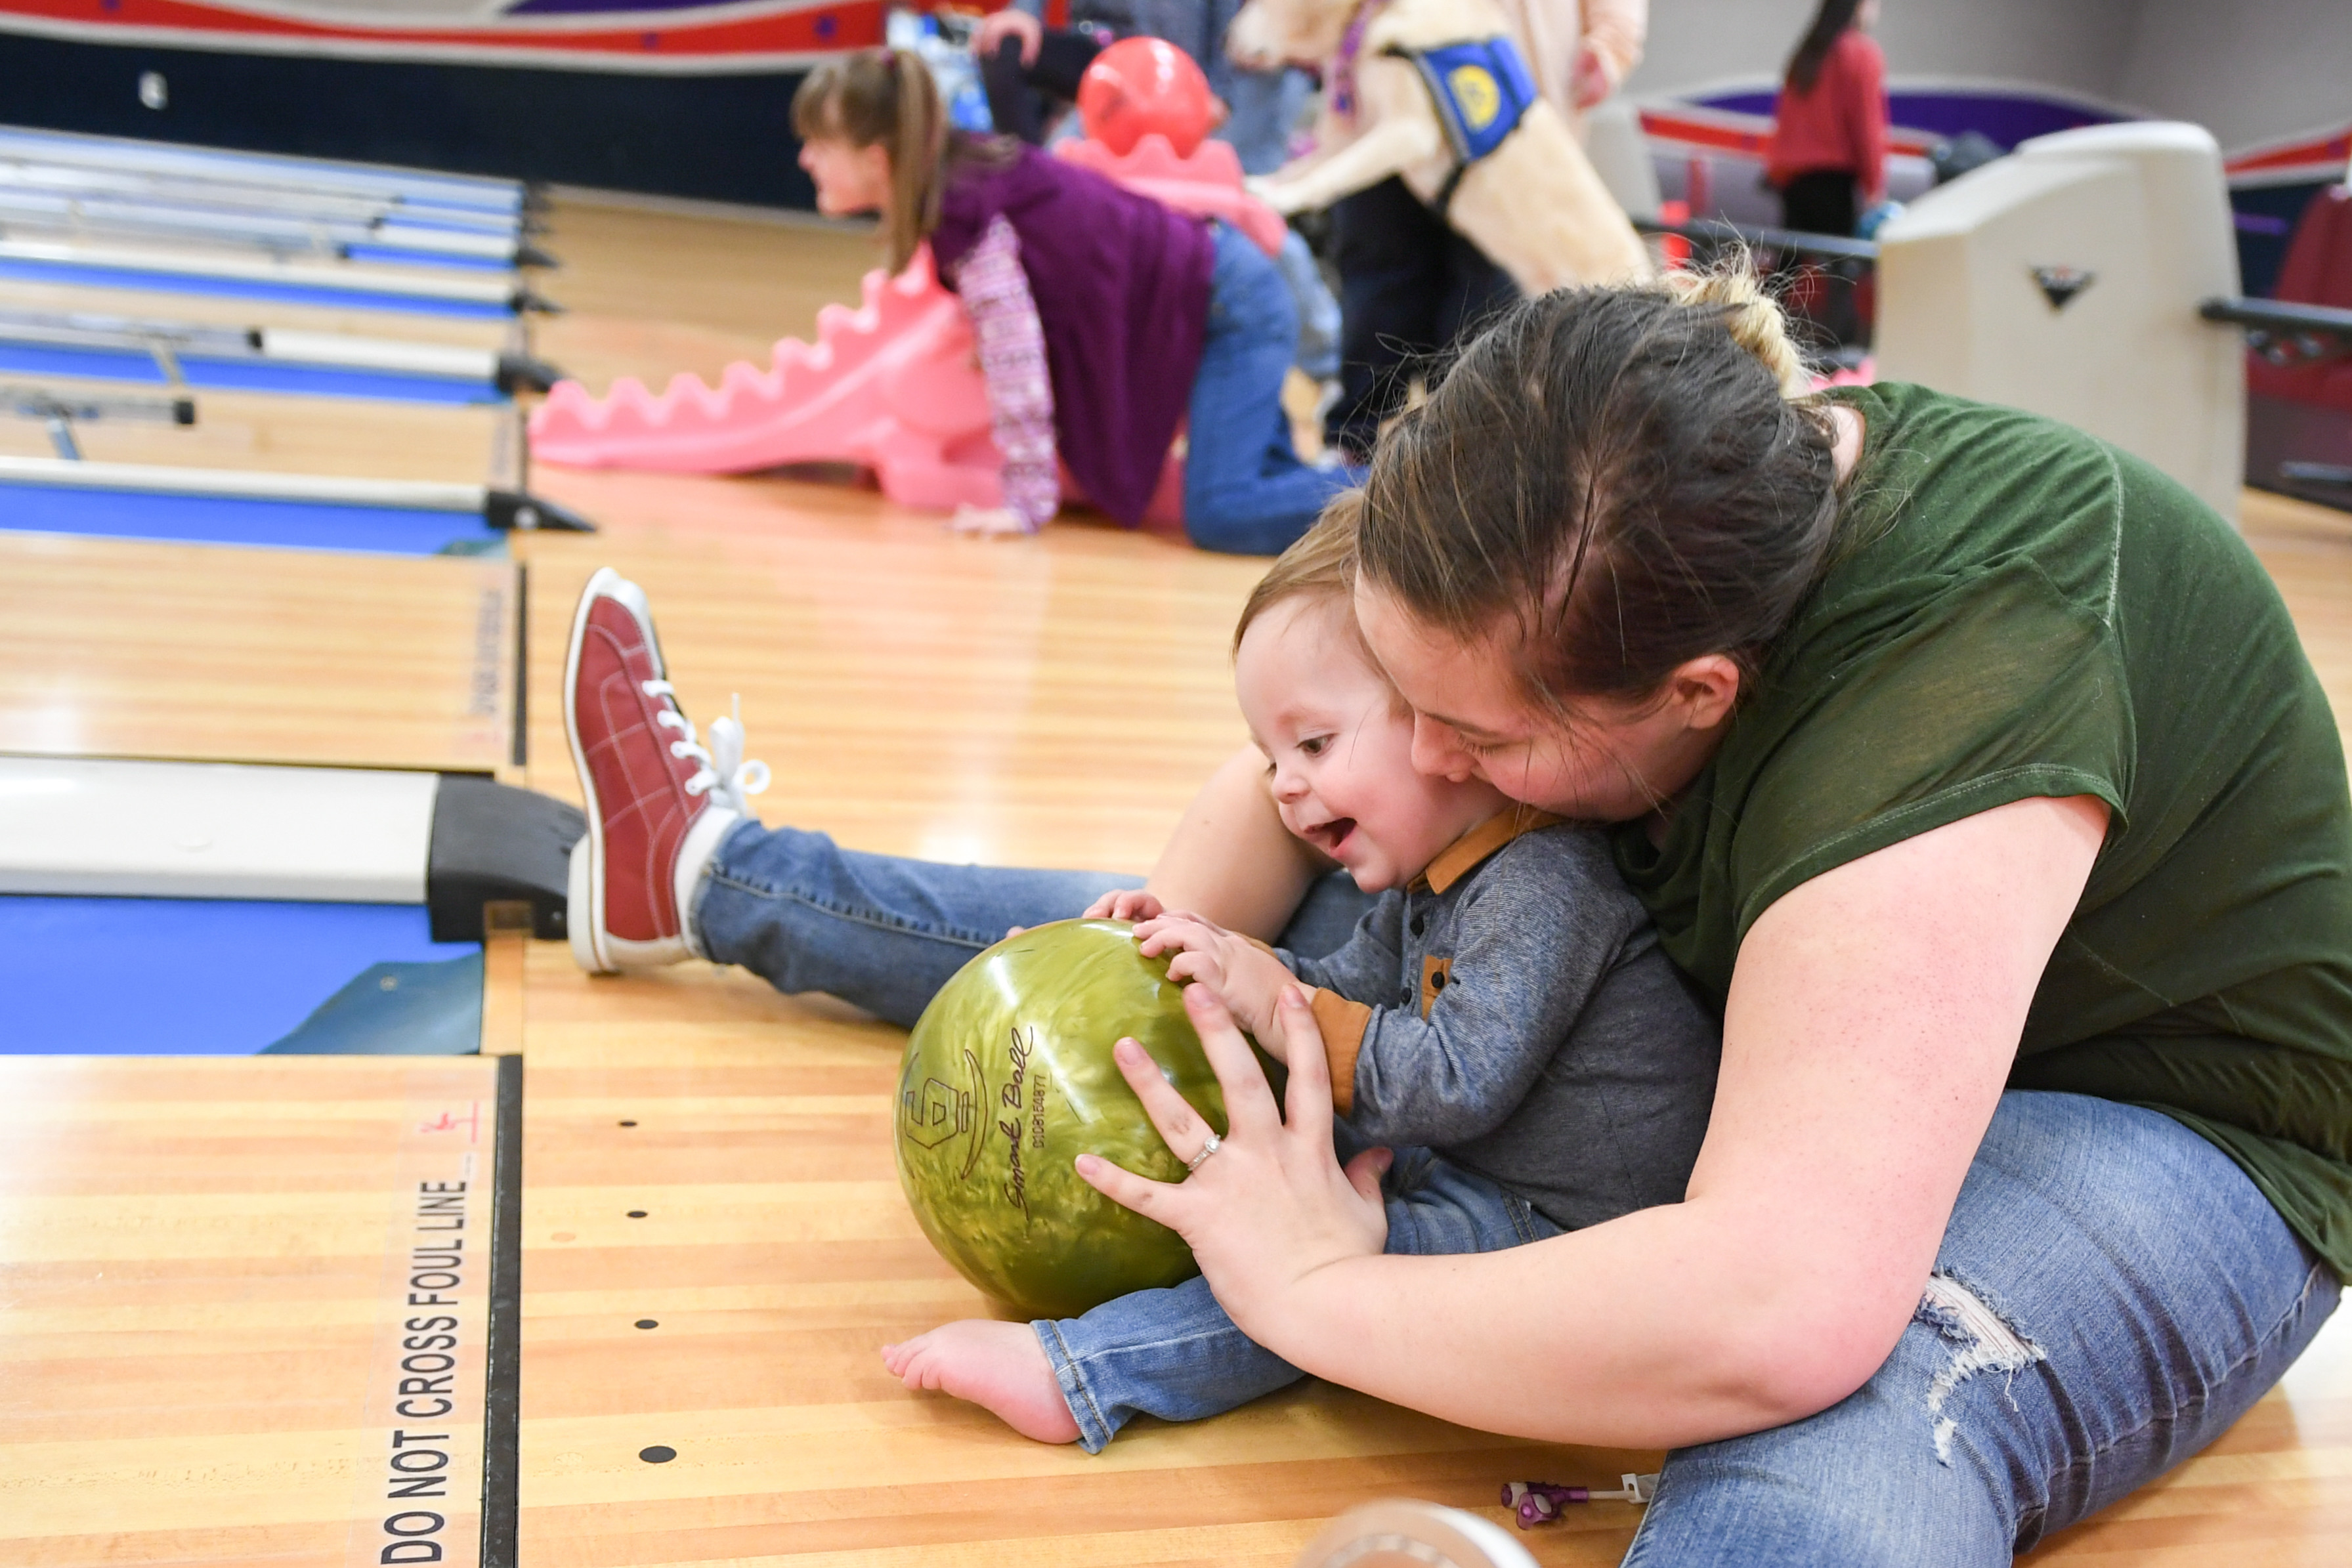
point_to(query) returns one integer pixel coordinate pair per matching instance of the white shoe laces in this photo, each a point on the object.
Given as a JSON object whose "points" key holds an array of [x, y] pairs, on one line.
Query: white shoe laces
{"points": [[723, 769]]}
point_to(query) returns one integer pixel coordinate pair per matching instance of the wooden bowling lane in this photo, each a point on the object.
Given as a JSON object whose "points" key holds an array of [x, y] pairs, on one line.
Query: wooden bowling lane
{"points": [[1054, 702], [634, 306], [123, 648], [280, 434], [1051, 702], [210, 1268], [737, 1324]]}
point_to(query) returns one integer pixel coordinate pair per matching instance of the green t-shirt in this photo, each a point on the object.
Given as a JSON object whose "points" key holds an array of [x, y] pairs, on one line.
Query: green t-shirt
{"points": [[2013, 609]]}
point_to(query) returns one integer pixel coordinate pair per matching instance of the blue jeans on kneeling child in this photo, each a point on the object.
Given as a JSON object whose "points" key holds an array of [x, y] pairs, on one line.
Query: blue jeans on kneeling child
{"points": [[1247, 489], [1175, 1354]]}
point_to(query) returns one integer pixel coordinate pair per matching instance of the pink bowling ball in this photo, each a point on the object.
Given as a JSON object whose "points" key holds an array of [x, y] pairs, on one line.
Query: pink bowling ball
{"points": [[1142, 85]]}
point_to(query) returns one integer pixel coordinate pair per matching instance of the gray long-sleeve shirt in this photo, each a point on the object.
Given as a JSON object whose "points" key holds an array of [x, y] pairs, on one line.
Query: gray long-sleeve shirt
{"points": [[1515, 1012]]}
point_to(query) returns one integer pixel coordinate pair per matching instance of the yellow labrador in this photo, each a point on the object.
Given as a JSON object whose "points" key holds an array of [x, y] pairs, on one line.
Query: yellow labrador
{"points": [[1438, 92]]}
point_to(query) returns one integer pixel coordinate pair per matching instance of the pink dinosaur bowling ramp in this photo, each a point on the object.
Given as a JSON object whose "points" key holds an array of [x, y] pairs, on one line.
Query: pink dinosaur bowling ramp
{"points": [[892, 386]]}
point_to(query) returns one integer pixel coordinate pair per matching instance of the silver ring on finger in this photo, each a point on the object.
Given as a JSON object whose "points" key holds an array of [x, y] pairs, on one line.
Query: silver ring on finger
{"points": [[1210, 1147]]}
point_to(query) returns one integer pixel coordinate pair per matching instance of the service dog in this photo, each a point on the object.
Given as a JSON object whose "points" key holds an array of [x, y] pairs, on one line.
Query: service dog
{"points": [[1438, 92]]}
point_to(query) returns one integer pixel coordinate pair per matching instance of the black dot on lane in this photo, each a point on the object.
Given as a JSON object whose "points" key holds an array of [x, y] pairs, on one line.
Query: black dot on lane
{"points": [[657, 1455], [649, 1323], [628, 1124], [636, 1214]]}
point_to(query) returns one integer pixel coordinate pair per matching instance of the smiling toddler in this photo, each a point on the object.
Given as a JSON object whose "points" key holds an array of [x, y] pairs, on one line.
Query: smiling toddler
{"points": [[1502, 1017]]}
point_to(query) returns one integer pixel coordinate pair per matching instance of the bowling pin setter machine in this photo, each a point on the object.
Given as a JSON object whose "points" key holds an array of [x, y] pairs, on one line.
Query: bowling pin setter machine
{"points": [[2083, 277]]}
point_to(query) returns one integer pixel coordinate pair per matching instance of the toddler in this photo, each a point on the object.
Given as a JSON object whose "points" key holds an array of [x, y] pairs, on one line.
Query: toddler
{"points": [[1502, 1017]]}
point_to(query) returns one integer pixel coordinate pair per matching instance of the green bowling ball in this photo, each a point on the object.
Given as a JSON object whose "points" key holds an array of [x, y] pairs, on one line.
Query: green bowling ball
{"points": [[1008, 1078]]}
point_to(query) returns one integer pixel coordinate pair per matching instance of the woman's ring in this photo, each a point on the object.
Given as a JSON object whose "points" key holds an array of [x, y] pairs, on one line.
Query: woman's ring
{"points": [[1210, 1147]]}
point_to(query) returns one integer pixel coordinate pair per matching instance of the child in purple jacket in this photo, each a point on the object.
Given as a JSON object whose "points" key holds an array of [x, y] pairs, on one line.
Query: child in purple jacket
{"points": [[1105, 320]]}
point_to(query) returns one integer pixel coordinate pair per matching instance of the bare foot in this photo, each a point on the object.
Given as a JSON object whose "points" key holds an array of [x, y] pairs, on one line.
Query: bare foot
{"points": [[999, 1367]]}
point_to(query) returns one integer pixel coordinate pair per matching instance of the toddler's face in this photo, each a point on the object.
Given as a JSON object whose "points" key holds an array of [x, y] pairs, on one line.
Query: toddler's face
{"points": [[1340, 746]]}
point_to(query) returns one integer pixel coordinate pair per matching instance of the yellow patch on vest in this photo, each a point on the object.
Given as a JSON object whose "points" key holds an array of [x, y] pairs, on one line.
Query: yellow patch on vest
{"points": [[1477, 94]]}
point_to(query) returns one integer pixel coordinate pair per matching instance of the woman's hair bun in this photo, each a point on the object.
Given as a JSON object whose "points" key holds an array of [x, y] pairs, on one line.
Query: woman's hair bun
{"points": [[1750, 314]]}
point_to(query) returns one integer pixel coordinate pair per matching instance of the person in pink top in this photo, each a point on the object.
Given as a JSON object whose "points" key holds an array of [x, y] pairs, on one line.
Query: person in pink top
{"points": [[1828, 144]]}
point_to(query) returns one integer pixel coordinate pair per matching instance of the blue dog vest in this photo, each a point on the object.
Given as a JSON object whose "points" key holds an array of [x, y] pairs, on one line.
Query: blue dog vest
{"points": [[1481, 91]]}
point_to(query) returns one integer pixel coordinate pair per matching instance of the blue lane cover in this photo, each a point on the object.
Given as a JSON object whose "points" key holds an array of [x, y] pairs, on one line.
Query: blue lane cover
{"points": [[167, 976], [363, 250], [243, 521], [242, 376], [396, 1010], [1482, 91], [241, 288]]}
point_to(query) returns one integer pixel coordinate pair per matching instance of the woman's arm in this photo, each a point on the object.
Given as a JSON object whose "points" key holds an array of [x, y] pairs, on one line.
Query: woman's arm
{"points": [[1231, 859], [1873, 1014]]}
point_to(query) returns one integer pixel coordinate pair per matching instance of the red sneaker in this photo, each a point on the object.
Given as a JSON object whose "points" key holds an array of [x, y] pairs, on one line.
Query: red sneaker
{"points": [[646, 783]]}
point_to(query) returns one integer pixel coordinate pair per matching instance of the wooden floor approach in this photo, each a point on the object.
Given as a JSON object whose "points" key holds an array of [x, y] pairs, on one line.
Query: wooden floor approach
{"points": [[714, 1240]]}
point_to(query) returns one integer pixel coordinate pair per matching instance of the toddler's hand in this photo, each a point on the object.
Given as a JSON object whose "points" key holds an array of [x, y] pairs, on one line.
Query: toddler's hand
{"points": [[1125, 903], [1246, 975]]}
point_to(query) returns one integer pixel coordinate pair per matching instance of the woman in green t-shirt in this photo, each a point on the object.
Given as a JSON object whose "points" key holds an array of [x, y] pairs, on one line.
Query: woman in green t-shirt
{"points": [[1970, 767], [1974, 770]]}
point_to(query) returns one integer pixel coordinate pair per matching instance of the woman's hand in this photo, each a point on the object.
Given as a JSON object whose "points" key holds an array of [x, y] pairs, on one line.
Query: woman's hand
{"points": [[1246, 978], [1270, 1206], [1133, 904]]}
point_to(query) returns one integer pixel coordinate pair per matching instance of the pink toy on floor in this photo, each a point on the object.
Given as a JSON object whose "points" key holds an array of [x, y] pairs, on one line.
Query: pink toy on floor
{"points": [[892, 386], [1207, 183]]}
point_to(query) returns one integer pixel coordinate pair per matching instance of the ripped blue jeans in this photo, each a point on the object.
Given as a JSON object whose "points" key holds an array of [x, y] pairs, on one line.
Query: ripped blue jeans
{"points": [[2111, 1294]]}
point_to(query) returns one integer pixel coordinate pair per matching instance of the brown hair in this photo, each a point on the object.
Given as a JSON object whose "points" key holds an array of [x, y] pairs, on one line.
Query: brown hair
{"points": [[1830, 23], [888, 97], [1639, 476], [1321, 564]]}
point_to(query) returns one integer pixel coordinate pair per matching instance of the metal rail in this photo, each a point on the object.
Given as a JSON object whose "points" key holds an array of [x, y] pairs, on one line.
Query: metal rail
{"points": [[2284, 332], [338, 238], [499, 508], [1717, 232], [166, 342], [60, 411]]}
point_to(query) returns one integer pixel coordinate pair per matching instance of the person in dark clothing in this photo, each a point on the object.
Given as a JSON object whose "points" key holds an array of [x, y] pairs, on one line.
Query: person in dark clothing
{"points": [[1409, 284]]}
